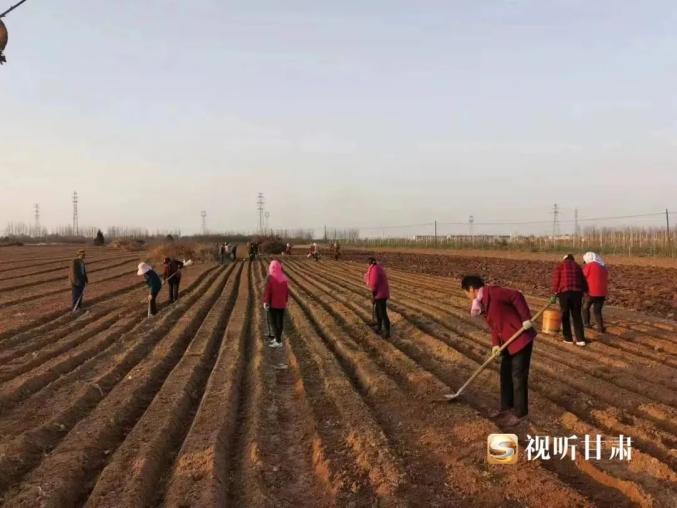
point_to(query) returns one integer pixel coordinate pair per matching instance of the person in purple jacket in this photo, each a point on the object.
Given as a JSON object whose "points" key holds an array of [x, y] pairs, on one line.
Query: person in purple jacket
{"points": [[377, 281], [506, 312]]}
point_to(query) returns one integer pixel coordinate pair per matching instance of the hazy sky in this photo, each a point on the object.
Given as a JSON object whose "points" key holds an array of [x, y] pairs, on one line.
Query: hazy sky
{"points": [[345, 113]]}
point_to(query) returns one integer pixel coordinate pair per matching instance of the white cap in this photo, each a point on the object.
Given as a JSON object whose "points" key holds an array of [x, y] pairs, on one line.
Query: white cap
{"points": [[144, 268]]}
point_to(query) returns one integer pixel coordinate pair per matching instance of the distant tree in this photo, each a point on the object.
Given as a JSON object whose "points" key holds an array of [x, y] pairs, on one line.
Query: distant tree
{"points": [[99, 240]]}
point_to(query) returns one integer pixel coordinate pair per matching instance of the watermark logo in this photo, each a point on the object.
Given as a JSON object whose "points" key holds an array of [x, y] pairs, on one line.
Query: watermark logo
{"points": [[502, 449]]}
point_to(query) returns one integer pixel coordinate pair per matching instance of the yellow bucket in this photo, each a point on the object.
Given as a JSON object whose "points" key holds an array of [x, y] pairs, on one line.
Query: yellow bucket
{"points": [[552, 321]]}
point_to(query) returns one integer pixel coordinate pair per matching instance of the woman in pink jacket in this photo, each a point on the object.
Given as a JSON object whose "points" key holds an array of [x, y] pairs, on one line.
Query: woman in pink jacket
{"points": [[275, 298], [377, 280]]}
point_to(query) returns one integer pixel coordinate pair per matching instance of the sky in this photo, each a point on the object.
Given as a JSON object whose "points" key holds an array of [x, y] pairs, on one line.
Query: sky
{"points": [[349, 114]]}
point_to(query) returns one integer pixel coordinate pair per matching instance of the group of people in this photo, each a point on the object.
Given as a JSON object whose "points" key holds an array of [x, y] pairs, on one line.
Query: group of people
{"points": [[227, 251], [171, 277], [579, 290]]}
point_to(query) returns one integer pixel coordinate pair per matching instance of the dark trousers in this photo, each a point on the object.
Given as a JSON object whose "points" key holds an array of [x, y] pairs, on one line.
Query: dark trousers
{"points": [[571, 303], [515, 380], [173, 284], [277, 322], [152, 304], [596, 302], [77, 296], [382, 320]]}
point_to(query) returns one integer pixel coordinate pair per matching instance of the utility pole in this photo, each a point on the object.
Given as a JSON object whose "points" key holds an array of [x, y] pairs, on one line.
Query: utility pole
{"points": [[75, 214], [577, 231], [435, 233], [555, 221], [667, 229], [260, 202], [37, 219], [267, 221], [471, 227], [203, 214], [325, 232]]}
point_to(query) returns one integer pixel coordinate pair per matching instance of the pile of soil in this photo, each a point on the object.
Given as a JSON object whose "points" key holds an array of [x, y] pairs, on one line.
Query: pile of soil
{"points": [[648, 289]]}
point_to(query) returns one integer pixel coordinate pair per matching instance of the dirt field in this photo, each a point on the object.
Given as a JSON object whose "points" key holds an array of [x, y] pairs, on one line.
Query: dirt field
{"points": [[189, 408], [640, 284]]}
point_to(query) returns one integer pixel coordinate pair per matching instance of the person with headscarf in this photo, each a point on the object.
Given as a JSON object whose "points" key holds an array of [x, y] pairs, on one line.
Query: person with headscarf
{"points": [[275, 299], [77, 276], [506, 312], [597, 277], [154, 284], [568, 283], [377, 281]]}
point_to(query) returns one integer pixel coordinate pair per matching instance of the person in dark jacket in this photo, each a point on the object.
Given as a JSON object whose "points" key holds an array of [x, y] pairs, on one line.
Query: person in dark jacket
{"points": [[154, 284], [275, 299], [377, 281], [506, 312], [597, 278], [172, 276], [77, 276], [568, 283]]}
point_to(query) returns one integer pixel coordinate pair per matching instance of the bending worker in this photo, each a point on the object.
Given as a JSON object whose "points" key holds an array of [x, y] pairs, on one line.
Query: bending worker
{"points": [[506, 312], [154, 284], [172, 276]]}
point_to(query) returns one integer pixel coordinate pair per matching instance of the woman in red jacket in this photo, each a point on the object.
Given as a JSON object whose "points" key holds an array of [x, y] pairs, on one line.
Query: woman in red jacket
{"points": [[506, 312], [275, 298], [377, 281], [597, 277]]}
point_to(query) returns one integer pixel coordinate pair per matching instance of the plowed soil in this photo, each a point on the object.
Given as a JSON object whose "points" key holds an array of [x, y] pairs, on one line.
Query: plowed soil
{"points": [[643, 286], [190, 408]]}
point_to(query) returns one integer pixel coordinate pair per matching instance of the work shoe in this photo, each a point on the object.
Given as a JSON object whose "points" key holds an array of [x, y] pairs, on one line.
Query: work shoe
{"points": [[580, 343], [275, 344], [498, 413], [568, 341], [512, 420]]}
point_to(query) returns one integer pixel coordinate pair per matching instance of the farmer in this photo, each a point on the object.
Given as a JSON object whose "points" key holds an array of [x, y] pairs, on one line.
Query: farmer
{"points": [[337, 250], [154, 284], [506, 312], [275, 298], [597, 280], [78, 279], [172, 276], [252, 251], [233, 252], [314, 252], [287, 249], [568, 283], [377, 281], [222, 253]]}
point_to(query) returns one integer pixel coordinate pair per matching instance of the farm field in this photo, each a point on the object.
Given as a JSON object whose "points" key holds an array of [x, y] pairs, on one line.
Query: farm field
{"points": [[190, 408], [641, 284]]}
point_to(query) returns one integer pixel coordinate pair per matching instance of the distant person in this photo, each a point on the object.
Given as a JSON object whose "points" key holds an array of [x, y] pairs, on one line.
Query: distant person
{"points": [[172, 277], [597, 279], [233, 252], [275, 299], [252, 251], [222, 253], [77, 276], [314, 252], [288, 249], [506, 311], [377, 281], [568, 283], [337, 251], [154, 284]]}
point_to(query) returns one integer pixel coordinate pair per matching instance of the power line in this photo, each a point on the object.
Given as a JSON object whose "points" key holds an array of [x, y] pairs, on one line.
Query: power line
{"points": [[11, 9]]}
